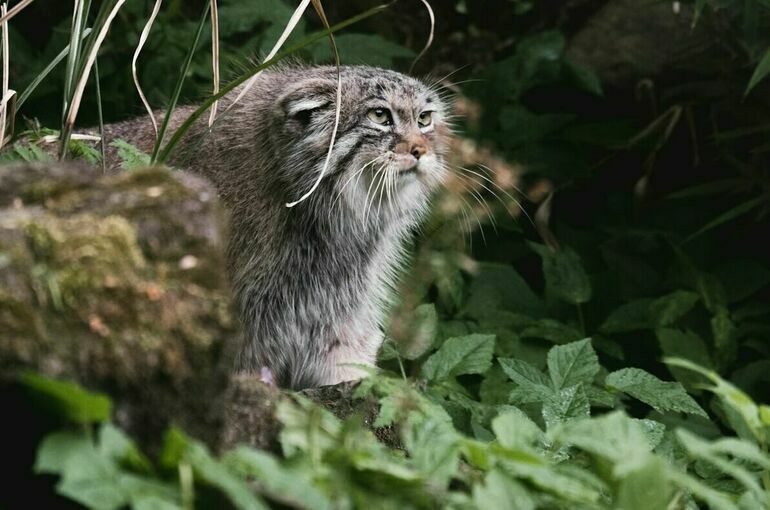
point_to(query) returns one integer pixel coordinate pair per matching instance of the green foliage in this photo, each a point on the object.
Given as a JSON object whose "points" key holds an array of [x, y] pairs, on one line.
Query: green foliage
{"points": [[328, 463], [130, 156]]}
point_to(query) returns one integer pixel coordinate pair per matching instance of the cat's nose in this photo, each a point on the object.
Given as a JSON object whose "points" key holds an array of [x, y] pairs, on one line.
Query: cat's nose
{"points": [[418, 149]]}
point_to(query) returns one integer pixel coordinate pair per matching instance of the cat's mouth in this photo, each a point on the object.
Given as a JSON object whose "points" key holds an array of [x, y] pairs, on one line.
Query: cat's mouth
{"points": [[409, 172]]}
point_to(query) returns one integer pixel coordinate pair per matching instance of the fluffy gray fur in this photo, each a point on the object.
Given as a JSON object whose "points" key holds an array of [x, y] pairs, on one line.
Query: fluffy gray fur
{"points": [[313, 281]]}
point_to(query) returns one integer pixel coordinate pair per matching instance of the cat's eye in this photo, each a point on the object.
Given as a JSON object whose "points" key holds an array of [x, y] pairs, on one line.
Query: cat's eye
{"points": [[425, 119], [380, 116]]}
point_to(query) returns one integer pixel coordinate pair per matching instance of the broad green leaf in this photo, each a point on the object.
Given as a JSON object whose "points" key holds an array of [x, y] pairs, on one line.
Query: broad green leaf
{"points": [[668, 309], [732, 397], [685, 344], [470, 354], [568, 404], [306, 425], [497, 287], [422, 332], [56, 449], [92, 480], [556, 480], [701, 449], [153, 503], [275, 481], [614, 437], [433, 448], [572, 364], [368, 49], [645, 487], [650, 313], [552, 330], [716, 500], [760, 72], [217, 475], [565, 276], [514, 429], [529, 379], [115, 444], [660, 395], [69, 399], [500, 491]]}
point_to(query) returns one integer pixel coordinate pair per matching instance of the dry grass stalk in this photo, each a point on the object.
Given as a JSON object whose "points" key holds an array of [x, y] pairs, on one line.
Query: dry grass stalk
{"points": [[143, 39], [14, 11], [214, 57], [81, 85], [298, 12]]}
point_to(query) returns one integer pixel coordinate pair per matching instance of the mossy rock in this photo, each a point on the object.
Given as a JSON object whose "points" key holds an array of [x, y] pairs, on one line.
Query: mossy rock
{"points": [[118, 282]]}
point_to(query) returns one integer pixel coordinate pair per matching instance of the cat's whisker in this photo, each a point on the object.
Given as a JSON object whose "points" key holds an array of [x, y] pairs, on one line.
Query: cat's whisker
{"points": [[367, 205], [516, 188], [470, 211], [502, 190], [381, 188], [480, 199], [355, 175]]}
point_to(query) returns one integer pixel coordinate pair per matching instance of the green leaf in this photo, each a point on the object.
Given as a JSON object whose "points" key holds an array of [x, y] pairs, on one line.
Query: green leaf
{"points": [[57, 448], [565, 276], [743, 406], [434, 449], [277, 482], [116, 445], [500, 490], [217, 475], [92, 480], [650, 313], [685, 344], [645, 486], [760, 72], [614, 436], [551, 330], [730, 215], [660, 395], [68, 399], [515, 430], [529, 379], [720, 456], [572, 364], [568, 404], [470, 354], [496, 287], [131, 157], [422, 332], [368, 49]]}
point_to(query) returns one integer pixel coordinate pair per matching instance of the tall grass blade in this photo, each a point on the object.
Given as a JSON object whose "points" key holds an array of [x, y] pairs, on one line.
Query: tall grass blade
{"points": [[179, 83], [16, 9], [73, 59], [214, 56], [142, 39], [307, 41], [101, 115], [321, 14], [50, 67], [429, 43], [6, 60], [295, 17], [103, 21]]}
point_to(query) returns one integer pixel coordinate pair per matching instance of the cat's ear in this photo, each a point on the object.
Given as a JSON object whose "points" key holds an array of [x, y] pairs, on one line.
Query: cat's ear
{"points": [[303, 101]]}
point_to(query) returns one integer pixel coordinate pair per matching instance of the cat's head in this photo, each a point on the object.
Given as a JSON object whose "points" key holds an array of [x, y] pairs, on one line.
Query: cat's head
{"points": [[391, 141]]}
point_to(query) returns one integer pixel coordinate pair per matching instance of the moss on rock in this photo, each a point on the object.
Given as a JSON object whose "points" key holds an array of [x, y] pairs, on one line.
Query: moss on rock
{"points": [[118, 282]]}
